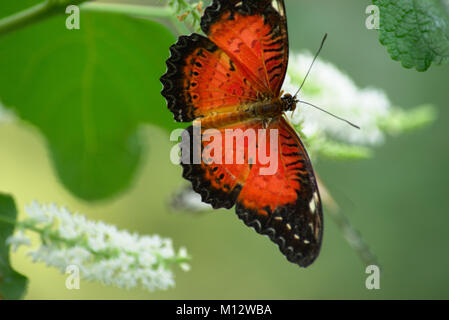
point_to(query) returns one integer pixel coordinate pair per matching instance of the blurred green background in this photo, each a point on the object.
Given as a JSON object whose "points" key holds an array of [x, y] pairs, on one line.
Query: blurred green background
{"points": [[398, 200]]}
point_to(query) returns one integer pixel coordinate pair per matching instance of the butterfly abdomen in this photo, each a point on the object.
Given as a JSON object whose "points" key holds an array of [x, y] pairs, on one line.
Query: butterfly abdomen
{"points": [[267, 109], [223, 119]]}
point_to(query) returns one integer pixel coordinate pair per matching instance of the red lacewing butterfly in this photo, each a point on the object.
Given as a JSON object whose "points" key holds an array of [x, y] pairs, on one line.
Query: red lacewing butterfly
{"points": [[231, 79]]}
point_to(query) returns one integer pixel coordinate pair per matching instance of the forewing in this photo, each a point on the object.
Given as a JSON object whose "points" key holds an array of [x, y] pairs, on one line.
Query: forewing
{"points": [[286, 205], [201, 78], [254, 34]]}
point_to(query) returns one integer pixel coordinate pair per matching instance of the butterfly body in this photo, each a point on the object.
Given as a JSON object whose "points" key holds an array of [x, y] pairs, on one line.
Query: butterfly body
{"points": [[265, 110], [230, 80]]}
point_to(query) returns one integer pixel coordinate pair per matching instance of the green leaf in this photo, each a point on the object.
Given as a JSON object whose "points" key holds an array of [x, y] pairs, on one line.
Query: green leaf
{"points": [[415, 32], [88, 91], [12, 284]]}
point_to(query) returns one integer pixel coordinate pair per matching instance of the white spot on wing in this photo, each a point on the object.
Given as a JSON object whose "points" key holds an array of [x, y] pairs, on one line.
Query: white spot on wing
{"points": [[313, 203], [312, 206], [275, 5]]}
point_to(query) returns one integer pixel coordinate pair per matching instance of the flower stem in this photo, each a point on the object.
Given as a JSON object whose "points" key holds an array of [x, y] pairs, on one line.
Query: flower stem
{"points": [[151, 12], [25, 17], [32, 15], [49, 8], [131, 9], [351, 235]]}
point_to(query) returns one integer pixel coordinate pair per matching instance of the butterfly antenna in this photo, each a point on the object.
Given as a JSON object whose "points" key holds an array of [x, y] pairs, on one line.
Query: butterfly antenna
{"points": [[304, 80], [333, 115], [313, 61]]}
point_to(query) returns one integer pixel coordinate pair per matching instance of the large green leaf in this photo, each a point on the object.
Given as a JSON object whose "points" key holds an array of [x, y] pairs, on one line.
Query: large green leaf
{"points": [[12, 283], [87, 91], [415, 32]]}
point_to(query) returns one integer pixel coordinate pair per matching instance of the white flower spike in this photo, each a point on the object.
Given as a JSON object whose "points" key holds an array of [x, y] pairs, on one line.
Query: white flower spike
{"points": [[332, 90], [101, 251]]}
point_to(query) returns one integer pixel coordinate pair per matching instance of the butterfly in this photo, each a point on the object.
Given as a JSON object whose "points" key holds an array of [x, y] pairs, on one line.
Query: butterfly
{"points": [[231, 79]]}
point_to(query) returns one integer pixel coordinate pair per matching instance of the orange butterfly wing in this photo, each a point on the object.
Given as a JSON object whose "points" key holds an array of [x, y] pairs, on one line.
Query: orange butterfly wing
{"points": [[254, 35], [201, 78], [286, 206], [218, 183]]}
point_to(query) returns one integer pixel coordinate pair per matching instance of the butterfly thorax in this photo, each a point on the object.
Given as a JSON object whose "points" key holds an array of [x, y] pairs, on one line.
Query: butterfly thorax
{"points": [[272, 107]]}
